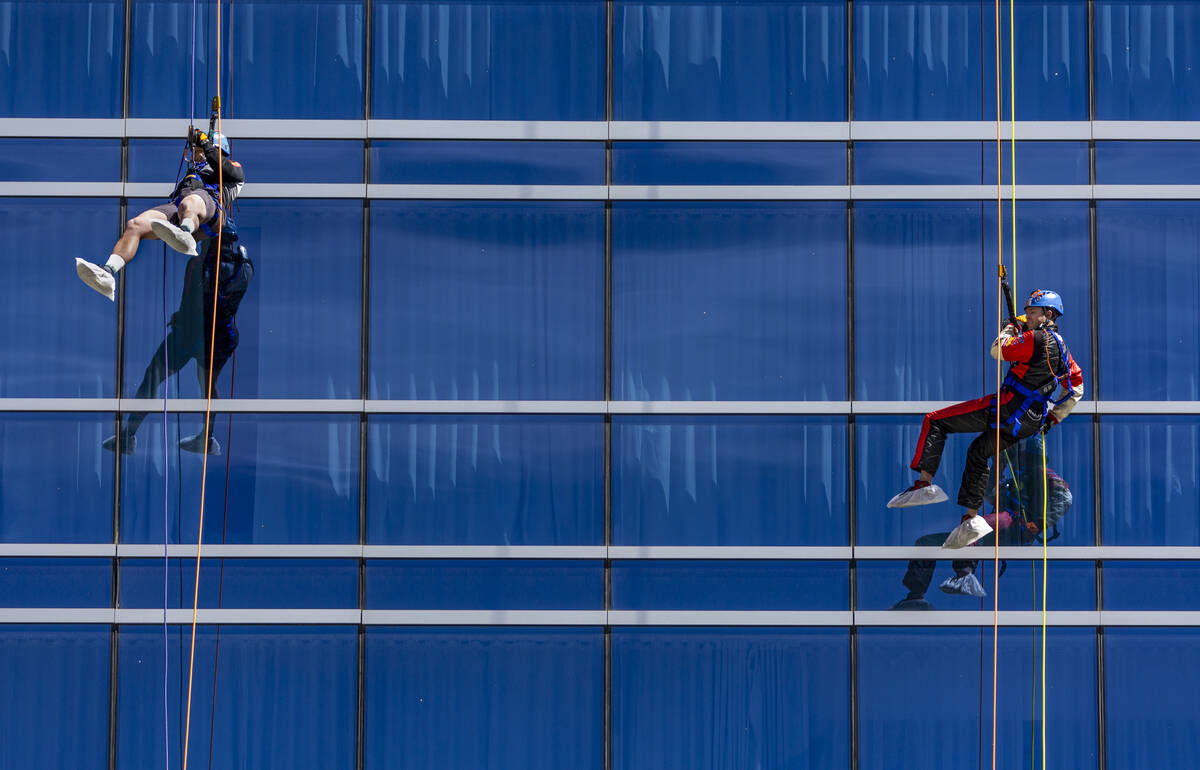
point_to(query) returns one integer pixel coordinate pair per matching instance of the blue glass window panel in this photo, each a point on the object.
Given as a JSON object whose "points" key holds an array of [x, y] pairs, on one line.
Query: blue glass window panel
{"points": [[1150, 472], [60, 160], [56, 696], [43, 355], [1151, 585], [730, 585], [913, 259], [492, 162], [83, 76], [725, 60], [1072, 584], [729, 481], [729, 301], [1146, 257], [299, 324], [318, 43], [285, 695], [76, 582], [898, 665], [1147, 162], [497, 60], [56, 483], [885, 446], [242, 583], [936, 61], [692, 699], [485, 480], [969, 163], [1147, 60], [476, 584], [732, 163], [1150, 677], [292, 479], [475, 300], [500, 698], [1053, 252], [303, 161], [159, 160]]}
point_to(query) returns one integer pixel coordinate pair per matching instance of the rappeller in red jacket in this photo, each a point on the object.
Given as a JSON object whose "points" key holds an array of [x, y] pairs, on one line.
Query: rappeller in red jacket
{"points": [[1041, 364]]}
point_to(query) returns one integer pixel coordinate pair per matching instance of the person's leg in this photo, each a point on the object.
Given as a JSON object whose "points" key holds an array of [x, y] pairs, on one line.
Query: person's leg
{"points": [[195, 209], [103, 278], [966, 417]]}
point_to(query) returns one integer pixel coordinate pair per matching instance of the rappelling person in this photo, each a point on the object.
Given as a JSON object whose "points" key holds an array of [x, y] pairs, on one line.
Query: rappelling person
{"points": [[1041, 363], [1021, 518], [194, 212], [191, 330]]}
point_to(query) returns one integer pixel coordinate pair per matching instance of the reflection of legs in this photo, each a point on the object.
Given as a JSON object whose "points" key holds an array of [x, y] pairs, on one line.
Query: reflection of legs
{"points": [[197, 443], [920, 571], [168, 359]]}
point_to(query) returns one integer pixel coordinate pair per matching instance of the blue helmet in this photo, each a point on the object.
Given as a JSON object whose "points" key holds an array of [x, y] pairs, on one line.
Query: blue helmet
{"points": [[222, 141], [1045, 298]]}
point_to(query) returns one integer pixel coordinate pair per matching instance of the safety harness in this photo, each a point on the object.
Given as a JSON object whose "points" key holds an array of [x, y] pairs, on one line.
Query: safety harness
{"points": [[1035, 396]]}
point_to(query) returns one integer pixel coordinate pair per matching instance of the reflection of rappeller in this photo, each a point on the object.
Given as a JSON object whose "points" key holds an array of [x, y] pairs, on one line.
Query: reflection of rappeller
{"points": [[1018, 520], [1041, 363], [191, 332], [191, 213]]}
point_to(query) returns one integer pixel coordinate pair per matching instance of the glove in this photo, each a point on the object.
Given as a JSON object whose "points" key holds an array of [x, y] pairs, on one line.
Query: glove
{"points": [[1033, 528], [1050, 422]]}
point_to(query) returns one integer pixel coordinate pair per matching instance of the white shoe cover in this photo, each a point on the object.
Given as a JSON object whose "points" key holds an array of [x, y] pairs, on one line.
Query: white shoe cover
{"points": [[923, 496], [968, 532], [171, 235], [964, 585], [97, 277]]}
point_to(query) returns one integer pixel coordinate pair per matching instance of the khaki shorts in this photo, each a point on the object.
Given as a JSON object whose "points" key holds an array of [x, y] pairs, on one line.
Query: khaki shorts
{"points": [[172, 211]]}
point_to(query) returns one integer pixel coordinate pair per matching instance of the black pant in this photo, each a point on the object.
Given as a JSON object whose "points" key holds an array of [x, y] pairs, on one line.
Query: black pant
{"points": [[977, 415]]}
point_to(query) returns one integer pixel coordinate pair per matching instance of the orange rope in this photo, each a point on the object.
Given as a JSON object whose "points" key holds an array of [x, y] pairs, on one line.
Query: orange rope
{"points": [[207, 400], [996, 457]]}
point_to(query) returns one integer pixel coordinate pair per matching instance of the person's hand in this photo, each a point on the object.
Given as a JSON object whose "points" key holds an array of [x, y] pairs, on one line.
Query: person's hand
{"points": [[1050, 422], [1032, 528]]}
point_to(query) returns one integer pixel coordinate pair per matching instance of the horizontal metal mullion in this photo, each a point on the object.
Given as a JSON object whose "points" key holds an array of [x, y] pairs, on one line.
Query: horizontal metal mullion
{"points": [[729, 552], [730, 192], [730, 618], [374, 406], [1146, 191], [955, 130], [576, 130], [242, 616], [242, 551], [486, 191], [484, 617], [976, 618], [484, 552], [668, 130], [55, 550], [1145, 129], [728, 407], [249, 405]]}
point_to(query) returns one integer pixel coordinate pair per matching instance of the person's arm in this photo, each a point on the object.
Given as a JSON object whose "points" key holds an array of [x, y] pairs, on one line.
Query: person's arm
{"points": [[1075, 381], [231, 171], [1013, 344]]}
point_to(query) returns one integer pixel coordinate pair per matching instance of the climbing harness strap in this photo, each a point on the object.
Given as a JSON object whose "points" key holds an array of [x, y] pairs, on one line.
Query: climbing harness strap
{"points": [[1035, 396]]}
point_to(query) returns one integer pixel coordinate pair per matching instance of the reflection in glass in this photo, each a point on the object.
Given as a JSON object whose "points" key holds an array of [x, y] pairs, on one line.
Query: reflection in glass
{"points": [[946, 162], [56, 696], [723, 698], [486, 300], [1147, 60], [242, 583], [1146, 257], [44, 355], [285, 696], [729, 301], [292, 479], [1150, 473], [74, 582], [884, 447], [729, 481], [730, 585], [488, 59], [491, 162], [485, 584], [935, 61], [56, 484], [60, 160], [1151, 676], [529, 698], [884, 585], [319, 44], [485, 480], [47, 44], [733, 163], [925, 701], [919, 260], [729, 60], [299, 329]]}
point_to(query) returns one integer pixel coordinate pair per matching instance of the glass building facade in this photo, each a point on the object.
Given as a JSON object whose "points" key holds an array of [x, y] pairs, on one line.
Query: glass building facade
{"points": [[587, 342]]}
